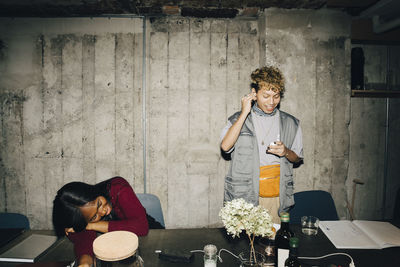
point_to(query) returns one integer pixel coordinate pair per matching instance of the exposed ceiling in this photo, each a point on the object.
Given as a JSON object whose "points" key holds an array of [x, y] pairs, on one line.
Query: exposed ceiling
{"points": [[68, 8], [380, 15]]}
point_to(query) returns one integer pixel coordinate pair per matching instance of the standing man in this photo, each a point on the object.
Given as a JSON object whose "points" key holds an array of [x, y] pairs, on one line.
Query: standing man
{"points": [[264, 142]]}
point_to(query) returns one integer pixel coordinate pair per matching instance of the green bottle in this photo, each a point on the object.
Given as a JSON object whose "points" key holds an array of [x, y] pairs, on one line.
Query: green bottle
{"points": [[292, 261], [282, 238]]}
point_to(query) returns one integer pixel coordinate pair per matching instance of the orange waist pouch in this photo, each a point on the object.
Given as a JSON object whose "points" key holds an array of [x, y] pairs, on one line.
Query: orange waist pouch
{"points": [[269, 180]]}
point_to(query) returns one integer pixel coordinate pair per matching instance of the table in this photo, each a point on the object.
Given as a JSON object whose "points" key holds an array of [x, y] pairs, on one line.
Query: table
{"points": [[192, 239], [310, 246], [60, 253], [188, 240]]}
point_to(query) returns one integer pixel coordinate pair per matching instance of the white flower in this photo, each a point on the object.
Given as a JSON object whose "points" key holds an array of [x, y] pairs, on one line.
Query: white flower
{"points": [[238, 215]]}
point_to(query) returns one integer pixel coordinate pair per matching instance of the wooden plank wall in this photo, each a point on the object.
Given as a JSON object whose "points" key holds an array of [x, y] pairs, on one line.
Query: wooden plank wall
{"points": [[81, 121], [198, 71], [80, 118]]}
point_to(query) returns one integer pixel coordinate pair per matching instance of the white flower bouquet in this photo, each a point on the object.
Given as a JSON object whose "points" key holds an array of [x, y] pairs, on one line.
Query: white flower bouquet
{"points": [[238, 216]]}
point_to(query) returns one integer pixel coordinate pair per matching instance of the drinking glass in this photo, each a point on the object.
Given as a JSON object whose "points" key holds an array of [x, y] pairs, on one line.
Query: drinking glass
{"points": [[309, 225]]}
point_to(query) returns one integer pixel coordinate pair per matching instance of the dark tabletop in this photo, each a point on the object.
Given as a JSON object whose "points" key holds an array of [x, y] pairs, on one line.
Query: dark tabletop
{"points": [[185, 240], [310, 246]]}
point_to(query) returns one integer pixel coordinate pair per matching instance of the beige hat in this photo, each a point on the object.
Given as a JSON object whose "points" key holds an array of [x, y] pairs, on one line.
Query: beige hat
{"points": [[115, 246]]}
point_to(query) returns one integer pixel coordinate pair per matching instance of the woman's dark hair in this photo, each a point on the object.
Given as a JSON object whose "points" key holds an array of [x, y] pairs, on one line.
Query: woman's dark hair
{"points": [[70, 198]]}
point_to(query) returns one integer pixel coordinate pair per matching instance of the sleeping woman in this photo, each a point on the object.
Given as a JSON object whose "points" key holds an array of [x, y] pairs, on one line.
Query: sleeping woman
{"points": [[81, 210]]}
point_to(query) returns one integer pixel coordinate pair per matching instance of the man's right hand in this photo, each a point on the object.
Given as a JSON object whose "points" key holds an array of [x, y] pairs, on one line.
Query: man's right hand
{"points": [[232, 135], [246, 102]]}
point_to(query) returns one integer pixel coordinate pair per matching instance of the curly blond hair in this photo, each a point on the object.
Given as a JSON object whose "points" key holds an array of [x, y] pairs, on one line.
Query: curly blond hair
{"points": [[269, 77]]}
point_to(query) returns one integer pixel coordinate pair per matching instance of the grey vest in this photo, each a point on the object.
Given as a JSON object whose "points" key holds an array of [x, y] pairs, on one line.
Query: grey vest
{"points": [[242, 180]]}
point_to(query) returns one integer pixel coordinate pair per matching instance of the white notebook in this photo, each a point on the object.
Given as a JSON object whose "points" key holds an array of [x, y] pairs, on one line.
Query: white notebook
{"points": [[360, 234], [29, 248]]}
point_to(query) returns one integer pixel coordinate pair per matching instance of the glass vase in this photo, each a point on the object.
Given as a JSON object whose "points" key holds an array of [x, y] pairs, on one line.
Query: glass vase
{"points": [[247, 261]]}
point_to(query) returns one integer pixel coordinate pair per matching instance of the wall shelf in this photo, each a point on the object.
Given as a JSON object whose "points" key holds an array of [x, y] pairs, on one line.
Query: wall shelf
{"points": [[375, 93]]}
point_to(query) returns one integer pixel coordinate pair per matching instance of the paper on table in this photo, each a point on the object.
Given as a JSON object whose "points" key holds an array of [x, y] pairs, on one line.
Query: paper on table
{"points": [[28, 249], [344, 234], [384, 233], [361, 234]]}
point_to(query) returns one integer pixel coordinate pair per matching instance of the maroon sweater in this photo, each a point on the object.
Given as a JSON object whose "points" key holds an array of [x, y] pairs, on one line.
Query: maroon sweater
{"points": [[128, 209]]}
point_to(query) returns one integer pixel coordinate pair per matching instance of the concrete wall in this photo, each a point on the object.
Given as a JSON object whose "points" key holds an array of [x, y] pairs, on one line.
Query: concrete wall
{"points": [[392, 181], [72, 101], [70, 108], [313, 51], [198, 70], [371, 120]]}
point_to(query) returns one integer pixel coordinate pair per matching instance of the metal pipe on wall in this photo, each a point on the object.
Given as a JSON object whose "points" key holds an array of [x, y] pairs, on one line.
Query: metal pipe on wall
{"points": [[385, 159], [385, 164], [144, 117]]}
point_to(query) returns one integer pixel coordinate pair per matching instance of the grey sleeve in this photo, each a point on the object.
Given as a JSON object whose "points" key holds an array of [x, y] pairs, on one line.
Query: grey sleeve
{"points": [[223, 133], [297, 146]]}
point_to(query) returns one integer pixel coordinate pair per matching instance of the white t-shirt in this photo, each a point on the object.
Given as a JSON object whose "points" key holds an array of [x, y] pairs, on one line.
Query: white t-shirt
{"points": [[267, 131]]}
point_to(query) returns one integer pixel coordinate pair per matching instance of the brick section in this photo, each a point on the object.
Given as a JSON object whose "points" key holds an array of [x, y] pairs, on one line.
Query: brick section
{"points": [[171, 10], [249, 12]]}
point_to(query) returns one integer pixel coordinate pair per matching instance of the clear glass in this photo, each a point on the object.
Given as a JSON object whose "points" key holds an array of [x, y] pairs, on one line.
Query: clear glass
{"points": [[247, 261], [133, 261], [268, 249], [210, 256], [309, 225]]}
